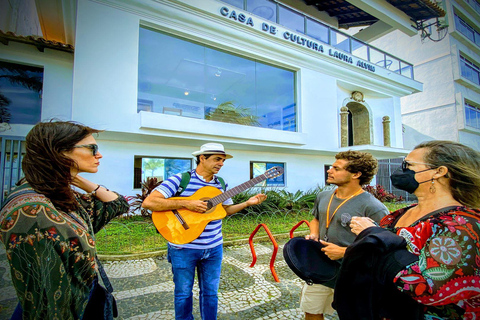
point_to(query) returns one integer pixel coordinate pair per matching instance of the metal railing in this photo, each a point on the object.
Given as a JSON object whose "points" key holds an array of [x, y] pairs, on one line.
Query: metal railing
{"points": [[12, 150], [320, 31]]}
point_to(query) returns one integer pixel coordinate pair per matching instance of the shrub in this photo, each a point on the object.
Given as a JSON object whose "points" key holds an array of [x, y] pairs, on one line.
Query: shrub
{"points": [[381, 194], [136, 201]]}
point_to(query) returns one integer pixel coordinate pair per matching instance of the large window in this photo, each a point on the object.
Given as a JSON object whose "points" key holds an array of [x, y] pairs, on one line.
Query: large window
{"points": [[160, 168], [187, 79], [467, 30], [472, 115], [469, 70], [20, 93], [259, 168]]}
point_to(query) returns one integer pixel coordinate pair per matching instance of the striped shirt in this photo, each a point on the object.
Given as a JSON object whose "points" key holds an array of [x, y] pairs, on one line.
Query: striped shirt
{"points": [[212, 235]]}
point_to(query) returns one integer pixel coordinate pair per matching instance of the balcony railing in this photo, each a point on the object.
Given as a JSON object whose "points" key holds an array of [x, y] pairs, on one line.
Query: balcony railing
{"points": [[302, 23]]}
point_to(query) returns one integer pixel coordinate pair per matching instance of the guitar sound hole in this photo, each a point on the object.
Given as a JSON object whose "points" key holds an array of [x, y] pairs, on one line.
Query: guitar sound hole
{"points": [[209, 206]]}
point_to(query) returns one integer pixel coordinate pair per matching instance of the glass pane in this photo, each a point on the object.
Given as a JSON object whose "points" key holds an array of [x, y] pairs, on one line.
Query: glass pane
{"points": [[160, 168], [20, 93], [377, 57], [153, 167], [406, 70], [339, 40], [275, 98], [477, 115], [464, 28], [263, 8], [392, 64], [317, 30], [259, 168], [170, 75], [278, 181], [472, 116], [174, 166], [236, 3], [230, 84], [291, 19], [359, 50]]}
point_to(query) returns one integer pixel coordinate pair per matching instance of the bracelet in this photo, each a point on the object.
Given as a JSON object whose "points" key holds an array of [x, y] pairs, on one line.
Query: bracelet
{"points": [[98, 187]]}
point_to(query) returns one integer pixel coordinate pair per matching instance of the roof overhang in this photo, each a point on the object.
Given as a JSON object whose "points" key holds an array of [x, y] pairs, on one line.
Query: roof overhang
{"points": [[58, 20], [39, 42], [380, 16]]}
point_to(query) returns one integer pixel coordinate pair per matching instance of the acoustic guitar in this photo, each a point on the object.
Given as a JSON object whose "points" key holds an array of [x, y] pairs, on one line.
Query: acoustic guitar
{"points": [[181, 226]]}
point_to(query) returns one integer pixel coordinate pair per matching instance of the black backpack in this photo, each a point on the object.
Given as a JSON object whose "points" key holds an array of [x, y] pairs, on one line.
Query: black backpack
{"points": [[309, 262]]}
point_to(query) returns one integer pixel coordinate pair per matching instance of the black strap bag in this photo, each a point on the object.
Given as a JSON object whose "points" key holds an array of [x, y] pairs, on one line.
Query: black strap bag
{"points": [[309, 262], [101, 304]]}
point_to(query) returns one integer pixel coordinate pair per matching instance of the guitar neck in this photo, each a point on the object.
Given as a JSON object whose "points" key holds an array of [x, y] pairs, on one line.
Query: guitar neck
{"points": [[234, 191]]}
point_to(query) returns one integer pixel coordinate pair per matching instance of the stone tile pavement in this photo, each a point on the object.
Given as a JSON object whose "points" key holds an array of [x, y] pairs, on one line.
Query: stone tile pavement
{"points": [[144, 287]]}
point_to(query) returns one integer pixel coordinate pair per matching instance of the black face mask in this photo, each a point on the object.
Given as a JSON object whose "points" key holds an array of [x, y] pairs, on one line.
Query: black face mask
{"points": [[404, 179]]}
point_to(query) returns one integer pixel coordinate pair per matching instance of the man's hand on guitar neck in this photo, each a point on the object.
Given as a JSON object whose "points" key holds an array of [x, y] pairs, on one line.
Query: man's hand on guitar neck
{"points": [[257, 199]]}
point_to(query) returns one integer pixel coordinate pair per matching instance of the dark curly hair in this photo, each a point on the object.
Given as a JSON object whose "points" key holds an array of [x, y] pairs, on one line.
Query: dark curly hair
{"points": [[46, 168], [362, 162], [463, 165]]}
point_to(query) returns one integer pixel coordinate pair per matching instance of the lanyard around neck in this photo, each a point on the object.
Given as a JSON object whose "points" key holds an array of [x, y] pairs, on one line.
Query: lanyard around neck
{"points": [[329, 219]]}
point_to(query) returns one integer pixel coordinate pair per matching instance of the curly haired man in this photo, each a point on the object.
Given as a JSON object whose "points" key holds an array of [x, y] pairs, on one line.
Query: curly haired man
{"points": [[332, 212]]}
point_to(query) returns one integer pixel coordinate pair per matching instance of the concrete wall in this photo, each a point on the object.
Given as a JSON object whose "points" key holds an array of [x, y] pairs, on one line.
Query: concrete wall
{"points": [[438, 111]]}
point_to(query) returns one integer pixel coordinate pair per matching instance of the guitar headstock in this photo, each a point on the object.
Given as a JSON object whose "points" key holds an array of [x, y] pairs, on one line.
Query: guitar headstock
{"points": [[273, 172]]}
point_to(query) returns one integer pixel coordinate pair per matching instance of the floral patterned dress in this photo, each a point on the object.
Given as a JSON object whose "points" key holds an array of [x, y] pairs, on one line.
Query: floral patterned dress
{"points": [[52, 253], [446, 278]]}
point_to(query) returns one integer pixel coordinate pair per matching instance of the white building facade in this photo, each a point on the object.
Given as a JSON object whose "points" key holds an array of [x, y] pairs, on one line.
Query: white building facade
{"points": [[163, 77], [448, 108]]}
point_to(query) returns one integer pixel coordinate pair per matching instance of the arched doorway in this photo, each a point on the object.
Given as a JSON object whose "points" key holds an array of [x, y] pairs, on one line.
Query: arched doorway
{"points": [[356, 124]]}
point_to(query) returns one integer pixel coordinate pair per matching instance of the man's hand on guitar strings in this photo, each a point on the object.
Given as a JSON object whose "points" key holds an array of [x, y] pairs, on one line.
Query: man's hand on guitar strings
{"points": [[196, 205]]}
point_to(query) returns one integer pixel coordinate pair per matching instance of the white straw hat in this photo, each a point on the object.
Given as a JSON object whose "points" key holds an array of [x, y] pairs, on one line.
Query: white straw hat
{"points": [[212, 148]]}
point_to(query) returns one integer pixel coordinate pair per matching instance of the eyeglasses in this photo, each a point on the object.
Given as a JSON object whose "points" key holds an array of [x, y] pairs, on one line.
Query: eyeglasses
{"points": [[93, 147], [406, 163]]}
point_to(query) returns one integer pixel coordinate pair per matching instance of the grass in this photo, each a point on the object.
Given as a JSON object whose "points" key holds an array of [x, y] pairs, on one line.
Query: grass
{"points": [[137, 234]]}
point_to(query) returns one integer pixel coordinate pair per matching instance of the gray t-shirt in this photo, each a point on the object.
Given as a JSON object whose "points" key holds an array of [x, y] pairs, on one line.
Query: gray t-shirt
{"points": [[362, 205]]}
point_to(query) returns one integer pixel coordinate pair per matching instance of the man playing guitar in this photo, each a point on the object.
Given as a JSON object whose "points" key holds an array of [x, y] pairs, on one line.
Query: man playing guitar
{"points": [[204, 253]]}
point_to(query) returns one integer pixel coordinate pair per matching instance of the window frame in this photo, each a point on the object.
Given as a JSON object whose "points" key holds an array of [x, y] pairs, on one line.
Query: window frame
{"points": [[473, 107], [472, 67]]}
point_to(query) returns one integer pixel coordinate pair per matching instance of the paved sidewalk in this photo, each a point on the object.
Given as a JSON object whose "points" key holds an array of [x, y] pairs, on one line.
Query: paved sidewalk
{"points": [[144, 288]]}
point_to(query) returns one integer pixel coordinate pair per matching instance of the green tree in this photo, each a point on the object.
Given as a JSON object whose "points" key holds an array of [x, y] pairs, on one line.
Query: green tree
{"points": [[153, 165]]}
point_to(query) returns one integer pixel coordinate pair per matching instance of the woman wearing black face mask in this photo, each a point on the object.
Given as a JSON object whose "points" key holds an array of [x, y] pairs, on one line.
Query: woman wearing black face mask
{"points": [[436, 243]]}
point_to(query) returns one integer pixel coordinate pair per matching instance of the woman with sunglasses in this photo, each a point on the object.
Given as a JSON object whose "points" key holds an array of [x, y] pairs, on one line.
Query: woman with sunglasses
{"points": [[437, 240], [48, 227]]}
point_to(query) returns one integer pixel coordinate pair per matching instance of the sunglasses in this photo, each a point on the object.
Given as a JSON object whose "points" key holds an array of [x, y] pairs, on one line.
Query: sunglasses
{"points": [[93, 147], [406, 163]]}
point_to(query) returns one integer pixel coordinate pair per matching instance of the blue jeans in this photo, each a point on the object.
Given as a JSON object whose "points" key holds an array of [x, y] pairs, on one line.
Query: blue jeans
{"points": [[208, 263]]}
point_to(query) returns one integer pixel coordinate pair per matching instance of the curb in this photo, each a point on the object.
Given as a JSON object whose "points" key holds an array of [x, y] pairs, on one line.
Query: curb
{"points": [[163, 252]]}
